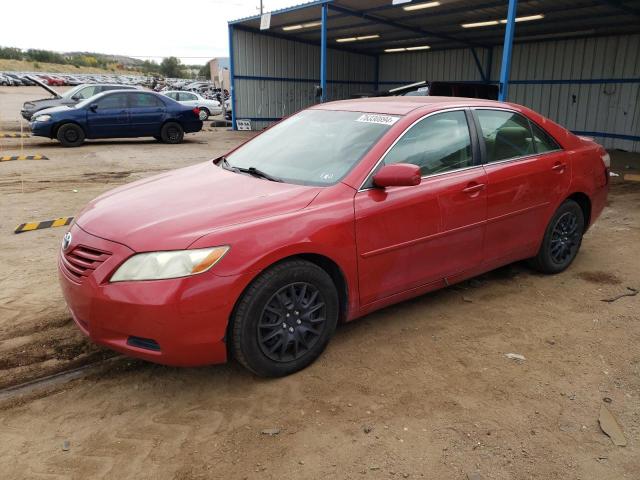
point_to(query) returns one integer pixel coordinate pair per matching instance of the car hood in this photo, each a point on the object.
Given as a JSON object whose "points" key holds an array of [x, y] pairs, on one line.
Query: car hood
{"points": [[172, 210], [52, 110], [36, 105], [35, 79]]}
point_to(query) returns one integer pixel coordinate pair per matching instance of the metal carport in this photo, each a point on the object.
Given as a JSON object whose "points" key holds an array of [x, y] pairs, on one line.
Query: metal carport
{"points": [[576, 61]]}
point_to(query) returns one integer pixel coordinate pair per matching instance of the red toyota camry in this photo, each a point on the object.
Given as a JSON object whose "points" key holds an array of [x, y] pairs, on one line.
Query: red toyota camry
{"points": [[339, 210]]}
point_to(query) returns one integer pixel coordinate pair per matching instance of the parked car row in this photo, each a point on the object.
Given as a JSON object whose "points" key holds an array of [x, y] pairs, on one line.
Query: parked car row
{"points": [[18, 79]]}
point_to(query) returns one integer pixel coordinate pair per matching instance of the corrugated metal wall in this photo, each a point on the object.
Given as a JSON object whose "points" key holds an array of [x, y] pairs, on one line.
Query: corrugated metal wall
{"points": [[452, 65], [545, 78], [276, 77]]}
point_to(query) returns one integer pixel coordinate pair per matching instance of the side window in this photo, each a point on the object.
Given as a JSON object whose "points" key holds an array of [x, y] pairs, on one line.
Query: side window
{"points": [[172, 95], [187, 96], [115, 100], [437, 144], [144, 100], [506, 135], [543, 141]]}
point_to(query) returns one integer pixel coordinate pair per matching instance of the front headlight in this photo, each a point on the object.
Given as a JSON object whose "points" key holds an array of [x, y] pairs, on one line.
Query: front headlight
{"points": [[173, 264], [42, 118]]}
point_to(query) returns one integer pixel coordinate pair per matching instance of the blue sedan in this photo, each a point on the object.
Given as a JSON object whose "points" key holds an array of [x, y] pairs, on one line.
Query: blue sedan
{"points": [[117, 114]]}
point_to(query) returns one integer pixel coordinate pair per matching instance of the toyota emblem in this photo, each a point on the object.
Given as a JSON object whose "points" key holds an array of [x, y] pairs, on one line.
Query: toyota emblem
{"points": [[66, 240]]}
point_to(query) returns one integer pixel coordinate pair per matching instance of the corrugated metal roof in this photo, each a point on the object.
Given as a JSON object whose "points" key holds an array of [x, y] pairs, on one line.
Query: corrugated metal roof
{"points": [[441, 26]]}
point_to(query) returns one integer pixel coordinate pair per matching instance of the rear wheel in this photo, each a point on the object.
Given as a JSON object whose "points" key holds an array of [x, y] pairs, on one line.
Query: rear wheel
{"points": [[562, 239], [204, 113], [172, 132], [285, 319], [70, 135]]}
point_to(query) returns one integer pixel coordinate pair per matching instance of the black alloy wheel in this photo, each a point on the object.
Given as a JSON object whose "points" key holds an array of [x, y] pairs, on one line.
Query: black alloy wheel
{"points": [[565, 238], [562, 239], [284, 319], [292, 321]]}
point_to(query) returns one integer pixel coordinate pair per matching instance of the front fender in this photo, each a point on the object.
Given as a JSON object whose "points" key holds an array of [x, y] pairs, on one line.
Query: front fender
{"points": [[324, 228]]}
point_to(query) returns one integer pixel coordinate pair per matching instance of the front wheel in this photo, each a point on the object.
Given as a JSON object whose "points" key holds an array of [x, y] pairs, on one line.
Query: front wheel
{"points": [[70, 135], [562, 239], [285, 319], [172, 132]]}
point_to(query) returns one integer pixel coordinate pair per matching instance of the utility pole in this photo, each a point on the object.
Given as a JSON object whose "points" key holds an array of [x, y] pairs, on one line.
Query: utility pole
{"points": [[261, 8]]}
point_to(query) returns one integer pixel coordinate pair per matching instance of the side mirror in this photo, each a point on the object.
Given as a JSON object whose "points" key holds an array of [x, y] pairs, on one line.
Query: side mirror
{"points": [[75, 97], [398, 175], [93, 107]]}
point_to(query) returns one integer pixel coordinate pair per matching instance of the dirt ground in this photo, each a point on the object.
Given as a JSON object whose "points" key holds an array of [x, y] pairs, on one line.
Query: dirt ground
{"points": [[419, 390]]}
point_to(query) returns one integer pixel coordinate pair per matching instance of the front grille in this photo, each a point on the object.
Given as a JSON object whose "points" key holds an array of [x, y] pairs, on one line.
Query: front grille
{"points": [[80, 262]]}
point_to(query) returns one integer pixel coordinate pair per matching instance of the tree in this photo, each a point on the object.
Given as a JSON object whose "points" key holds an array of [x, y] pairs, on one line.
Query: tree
{"points": [[171, 67], [205, 72], [11, 53]]}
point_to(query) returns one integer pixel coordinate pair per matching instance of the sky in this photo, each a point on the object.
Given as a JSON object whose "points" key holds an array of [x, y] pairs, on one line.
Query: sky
{"points": [[193, 30]]}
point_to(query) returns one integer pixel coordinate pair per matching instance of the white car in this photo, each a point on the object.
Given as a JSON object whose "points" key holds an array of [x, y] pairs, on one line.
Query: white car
{"points": [[207, 107]]}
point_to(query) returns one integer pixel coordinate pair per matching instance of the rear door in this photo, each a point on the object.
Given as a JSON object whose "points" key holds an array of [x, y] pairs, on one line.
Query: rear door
{"points": [[409, 237], [147, 113], [526, 176], [110, 117]]}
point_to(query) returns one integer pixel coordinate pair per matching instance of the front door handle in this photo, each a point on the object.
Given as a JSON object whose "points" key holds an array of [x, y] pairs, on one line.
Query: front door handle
{"points": [[474, 187], [559, 167]]}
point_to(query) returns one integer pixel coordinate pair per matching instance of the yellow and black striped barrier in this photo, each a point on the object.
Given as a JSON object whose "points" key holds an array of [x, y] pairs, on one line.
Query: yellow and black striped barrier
{"points": [[15, 135], [58, 222], [10, 158]]}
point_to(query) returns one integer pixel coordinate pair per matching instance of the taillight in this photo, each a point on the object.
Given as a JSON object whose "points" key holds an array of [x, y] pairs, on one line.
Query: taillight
{"points": [[196, 110]]}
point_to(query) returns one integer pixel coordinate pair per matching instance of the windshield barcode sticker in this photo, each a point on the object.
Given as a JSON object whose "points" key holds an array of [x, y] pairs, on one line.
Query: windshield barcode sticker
{"points": [[380, 119]]}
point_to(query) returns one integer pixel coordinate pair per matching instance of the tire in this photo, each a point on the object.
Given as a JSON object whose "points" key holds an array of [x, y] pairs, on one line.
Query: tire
{"points": [[70, 135], [562, 239], [204, 113], [172, 132], [285, 319]]}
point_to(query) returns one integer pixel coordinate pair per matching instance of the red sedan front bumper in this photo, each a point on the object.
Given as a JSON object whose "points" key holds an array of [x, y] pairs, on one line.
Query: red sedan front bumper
{"points": [[179, 322]]}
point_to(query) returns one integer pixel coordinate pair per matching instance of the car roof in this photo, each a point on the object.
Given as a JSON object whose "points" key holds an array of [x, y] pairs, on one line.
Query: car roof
{"points": [[405, 105]]}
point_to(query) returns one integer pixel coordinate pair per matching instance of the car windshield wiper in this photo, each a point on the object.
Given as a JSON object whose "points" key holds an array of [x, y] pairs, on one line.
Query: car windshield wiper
{"points": [[258, 173], [224, 163]]}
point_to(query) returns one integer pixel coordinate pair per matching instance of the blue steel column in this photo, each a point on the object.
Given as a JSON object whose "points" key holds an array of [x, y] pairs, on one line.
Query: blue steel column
{"points": [[507, 50], [232, 80], [323, 53]]}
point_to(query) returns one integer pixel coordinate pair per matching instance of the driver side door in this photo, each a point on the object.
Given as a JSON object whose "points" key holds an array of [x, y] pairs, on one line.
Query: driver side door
{"points": [[110, 117], [409, 238]]}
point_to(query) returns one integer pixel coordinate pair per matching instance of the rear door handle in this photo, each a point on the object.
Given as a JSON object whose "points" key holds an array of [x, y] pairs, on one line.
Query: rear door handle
{"points": [[473, 188], [559, 167]]}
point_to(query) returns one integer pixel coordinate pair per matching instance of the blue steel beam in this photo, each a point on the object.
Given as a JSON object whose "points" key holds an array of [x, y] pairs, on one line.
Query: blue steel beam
{"points": [[507, 50], [232, 94], [323, 53]]}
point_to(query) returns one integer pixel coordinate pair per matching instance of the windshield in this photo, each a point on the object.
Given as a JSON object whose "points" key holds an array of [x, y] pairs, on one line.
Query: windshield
{"points": [[72, 92], [313, 147]]}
